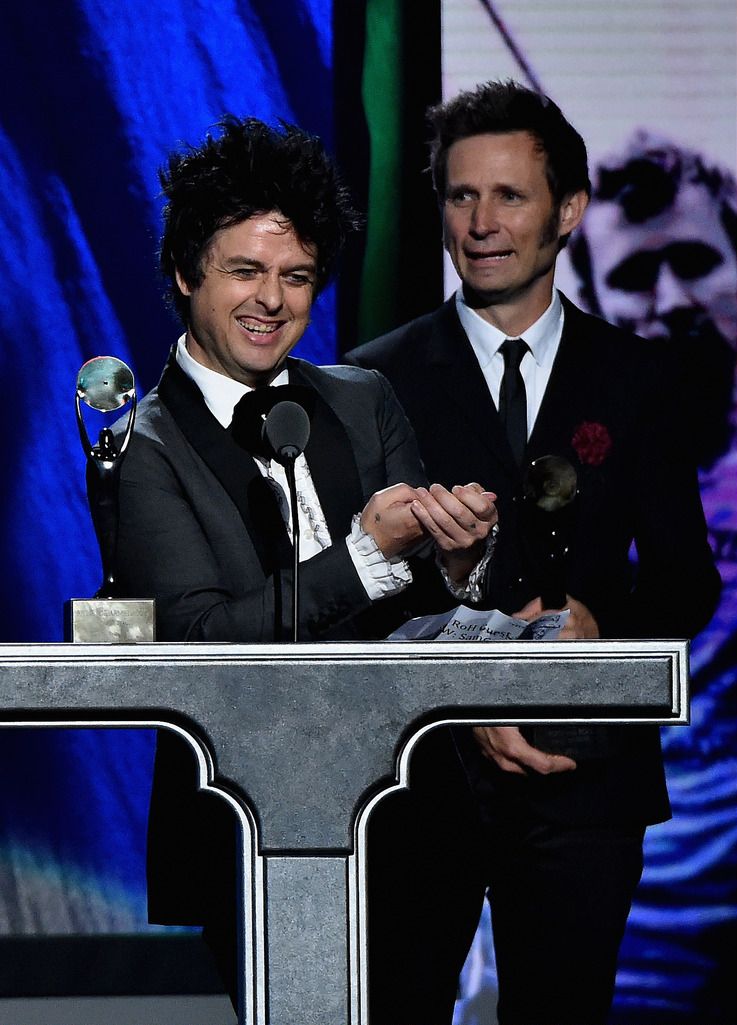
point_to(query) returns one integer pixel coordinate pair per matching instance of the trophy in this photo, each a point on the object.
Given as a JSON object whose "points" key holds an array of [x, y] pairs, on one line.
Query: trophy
{"points": [[550, 489], [106, 384]]}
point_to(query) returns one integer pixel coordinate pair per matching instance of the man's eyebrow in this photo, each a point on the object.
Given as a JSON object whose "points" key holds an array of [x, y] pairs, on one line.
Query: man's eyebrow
{"points": [[231, 261], [498, 189], [249, 261], [309, 266]]}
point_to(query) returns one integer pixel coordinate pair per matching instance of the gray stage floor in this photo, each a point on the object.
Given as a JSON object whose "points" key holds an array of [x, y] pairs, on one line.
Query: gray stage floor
{"points": [[165, 1010]]}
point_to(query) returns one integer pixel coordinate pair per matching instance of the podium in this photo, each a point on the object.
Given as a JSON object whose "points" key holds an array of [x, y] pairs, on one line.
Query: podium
{"points": [[302, 740]]}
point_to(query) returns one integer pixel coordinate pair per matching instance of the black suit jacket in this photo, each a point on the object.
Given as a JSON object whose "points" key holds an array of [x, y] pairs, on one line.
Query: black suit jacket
{"points": [[644, 491]]}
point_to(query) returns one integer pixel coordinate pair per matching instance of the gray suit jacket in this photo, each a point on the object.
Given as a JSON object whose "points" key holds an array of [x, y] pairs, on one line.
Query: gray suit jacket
{"points": [[200, 533]]}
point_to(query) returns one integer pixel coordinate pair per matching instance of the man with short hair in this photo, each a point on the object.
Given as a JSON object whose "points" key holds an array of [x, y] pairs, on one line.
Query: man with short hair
{"points": [[505, 372], [253, 222], [657, 255]]}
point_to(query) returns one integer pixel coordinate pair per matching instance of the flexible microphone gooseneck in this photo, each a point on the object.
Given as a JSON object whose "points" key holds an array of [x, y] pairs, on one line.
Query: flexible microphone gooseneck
{"points": [[286, 431]]}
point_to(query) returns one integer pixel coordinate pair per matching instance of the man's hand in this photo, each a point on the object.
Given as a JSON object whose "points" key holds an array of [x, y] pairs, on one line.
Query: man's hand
{"points": [[459, 521], [506, 746], [388, 518], [580, 626]]}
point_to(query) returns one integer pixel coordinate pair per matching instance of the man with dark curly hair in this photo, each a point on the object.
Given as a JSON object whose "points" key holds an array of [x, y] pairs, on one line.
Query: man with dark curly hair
{"points": [[253, 222], [505, 372]]}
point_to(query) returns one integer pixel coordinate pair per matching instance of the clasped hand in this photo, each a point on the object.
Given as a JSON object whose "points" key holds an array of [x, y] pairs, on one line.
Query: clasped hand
{"points": [[458, 521]]}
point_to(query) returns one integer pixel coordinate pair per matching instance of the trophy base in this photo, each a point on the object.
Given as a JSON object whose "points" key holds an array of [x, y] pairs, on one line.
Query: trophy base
{"points": [[109, 621]]}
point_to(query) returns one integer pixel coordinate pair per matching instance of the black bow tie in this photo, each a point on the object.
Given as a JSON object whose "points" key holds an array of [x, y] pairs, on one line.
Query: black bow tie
{"points": [[246, 427]]}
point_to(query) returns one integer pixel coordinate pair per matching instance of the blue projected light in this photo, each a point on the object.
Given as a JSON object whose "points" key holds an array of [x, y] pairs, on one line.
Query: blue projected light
{"points": [[91, 107]]}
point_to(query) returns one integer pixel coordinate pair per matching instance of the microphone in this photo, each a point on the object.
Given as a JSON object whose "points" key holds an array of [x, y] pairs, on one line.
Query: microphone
{"points": [[286, 432]]}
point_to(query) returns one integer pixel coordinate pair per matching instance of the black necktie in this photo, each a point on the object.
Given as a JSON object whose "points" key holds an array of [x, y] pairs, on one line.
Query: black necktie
{"points": [[513, 397]]}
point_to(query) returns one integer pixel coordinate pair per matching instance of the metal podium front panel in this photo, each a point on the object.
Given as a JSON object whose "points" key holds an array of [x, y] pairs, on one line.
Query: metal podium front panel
{"points": [[303, 869]]}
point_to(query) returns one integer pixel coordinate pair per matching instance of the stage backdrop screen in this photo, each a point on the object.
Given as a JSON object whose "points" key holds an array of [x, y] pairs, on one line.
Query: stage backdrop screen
{"points": [[651, 86]]}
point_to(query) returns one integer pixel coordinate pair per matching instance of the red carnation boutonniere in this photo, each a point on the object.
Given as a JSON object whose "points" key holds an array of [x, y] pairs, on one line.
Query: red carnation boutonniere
{"points": [[592, 442]]}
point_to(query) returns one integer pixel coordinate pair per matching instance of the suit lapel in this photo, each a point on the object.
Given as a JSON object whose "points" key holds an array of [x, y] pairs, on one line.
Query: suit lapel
{"points": [[329, 456], [566, 393], [234, 468], [460, 381]]}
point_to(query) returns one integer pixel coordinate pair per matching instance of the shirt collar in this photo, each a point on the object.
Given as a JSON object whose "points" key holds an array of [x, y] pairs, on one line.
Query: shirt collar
{"points": [[542, 337], [221, 393]]}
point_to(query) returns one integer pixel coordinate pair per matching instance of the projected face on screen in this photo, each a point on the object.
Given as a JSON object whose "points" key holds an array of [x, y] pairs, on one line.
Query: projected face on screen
{"points": [[667, 273], [656, 254]]}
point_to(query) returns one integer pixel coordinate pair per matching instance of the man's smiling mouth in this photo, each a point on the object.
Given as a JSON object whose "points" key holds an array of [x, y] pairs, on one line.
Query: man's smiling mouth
{"points": [[258, 327], [496, 257]]}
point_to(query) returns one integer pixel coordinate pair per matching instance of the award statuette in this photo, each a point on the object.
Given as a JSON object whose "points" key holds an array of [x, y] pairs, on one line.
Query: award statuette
{"points": [[550, 489], [106, 384]]}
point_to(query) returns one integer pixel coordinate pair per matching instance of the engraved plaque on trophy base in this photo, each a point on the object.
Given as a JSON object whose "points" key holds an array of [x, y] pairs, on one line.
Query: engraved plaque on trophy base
{"points": [[109, 621]]}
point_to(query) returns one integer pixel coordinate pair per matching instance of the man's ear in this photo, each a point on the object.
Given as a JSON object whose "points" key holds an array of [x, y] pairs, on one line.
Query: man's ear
{"points": [[183, 286], [571, 212]]}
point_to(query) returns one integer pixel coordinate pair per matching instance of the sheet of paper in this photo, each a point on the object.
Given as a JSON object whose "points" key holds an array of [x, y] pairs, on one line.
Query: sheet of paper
{"points": [[465, 624]]}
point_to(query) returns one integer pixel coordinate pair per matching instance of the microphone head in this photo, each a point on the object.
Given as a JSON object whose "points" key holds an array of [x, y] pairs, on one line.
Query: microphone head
{"points": [[286, 431]]}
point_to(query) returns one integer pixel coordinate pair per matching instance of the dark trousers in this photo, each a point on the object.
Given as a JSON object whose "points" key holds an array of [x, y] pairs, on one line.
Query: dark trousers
{"points": [[425, 888], [559, 895]]}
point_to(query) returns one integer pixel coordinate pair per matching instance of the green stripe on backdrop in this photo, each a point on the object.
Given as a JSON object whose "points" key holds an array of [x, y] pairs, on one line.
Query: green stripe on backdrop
{"points": [[382, 100]]}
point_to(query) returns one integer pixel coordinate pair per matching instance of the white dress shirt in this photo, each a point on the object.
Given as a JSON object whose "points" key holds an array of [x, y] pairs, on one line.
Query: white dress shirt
{"points": [[543, 339]]}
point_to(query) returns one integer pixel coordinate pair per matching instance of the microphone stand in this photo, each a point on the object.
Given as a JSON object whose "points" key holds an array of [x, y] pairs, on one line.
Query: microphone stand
{"points": [[286, 431], [289, 468]]}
